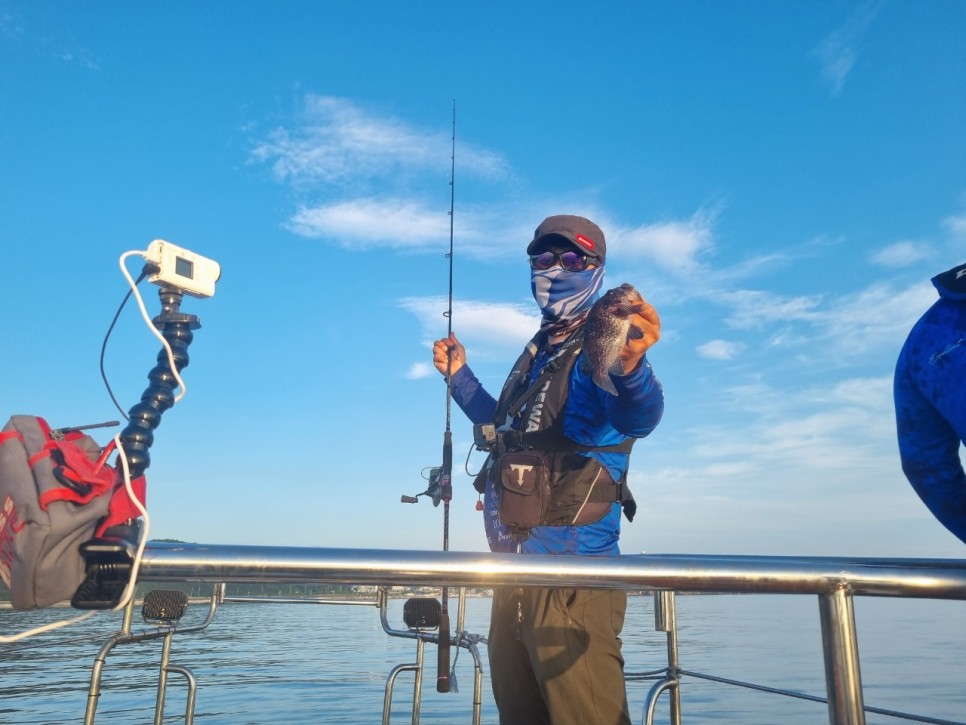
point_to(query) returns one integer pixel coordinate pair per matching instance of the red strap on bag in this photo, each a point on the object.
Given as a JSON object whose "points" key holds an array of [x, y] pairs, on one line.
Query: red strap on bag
{"points": [[82, 479], [5, 436], [122, 507], [85, 480]]}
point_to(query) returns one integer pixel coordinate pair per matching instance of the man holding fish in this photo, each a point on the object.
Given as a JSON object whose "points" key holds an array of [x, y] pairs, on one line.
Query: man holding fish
{"points": [[555, 481]]}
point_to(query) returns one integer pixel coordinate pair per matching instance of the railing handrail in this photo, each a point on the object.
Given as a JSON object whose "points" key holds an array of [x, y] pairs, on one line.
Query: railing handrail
{"points": [[891, 577]]}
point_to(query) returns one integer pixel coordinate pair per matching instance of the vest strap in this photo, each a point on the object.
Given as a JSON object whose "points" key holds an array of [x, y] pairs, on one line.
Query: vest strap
{"points": [[556, 442]]}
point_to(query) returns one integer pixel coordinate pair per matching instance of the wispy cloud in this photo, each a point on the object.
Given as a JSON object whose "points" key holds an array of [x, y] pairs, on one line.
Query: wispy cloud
{"points": [[408, 223], [782, 450], [676, 245], [49, 42], [811, 429], [369, 222], [10, 24], [849, 324], [337, 141], [956, 225], [839, 51], [719, 350], [491, 329], [902, 254], [360, 179], [419, 370], [360, 176], [80, 57], [755, 309], [878, 316]]}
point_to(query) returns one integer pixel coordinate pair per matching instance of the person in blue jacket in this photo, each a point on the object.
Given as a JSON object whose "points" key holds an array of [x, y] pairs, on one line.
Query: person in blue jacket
{"points": [[555, 652], [930, 399]]}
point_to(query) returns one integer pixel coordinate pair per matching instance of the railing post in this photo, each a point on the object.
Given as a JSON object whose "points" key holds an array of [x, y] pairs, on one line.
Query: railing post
{"points": [[163, 678], [843, 680], [665, 620]]}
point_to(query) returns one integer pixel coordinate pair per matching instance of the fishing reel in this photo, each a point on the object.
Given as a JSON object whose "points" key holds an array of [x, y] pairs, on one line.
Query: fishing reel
{"points": [[433, 491]]}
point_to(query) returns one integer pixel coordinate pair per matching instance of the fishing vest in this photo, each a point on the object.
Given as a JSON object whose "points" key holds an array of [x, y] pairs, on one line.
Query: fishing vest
{"points": [[542, 476]]}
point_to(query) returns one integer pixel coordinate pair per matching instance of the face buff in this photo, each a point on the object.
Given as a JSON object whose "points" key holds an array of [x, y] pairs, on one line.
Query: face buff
{"points": [[564, 297]]}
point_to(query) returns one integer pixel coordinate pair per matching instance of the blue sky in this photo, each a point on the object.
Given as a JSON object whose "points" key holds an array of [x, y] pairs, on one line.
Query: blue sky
{"points": [[780, 179]]}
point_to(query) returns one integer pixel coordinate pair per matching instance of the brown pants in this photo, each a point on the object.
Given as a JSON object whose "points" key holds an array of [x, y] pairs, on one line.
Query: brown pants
{"points": [[555, 656]]}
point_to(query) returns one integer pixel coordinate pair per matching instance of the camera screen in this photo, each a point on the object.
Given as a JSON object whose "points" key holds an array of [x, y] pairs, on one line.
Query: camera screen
{"points": [[184, 267]]}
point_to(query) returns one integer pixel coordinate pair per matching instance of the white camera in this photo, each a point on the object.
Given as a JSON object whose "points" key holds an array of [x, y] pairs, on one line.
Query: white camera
{"points": [[177, 267]]}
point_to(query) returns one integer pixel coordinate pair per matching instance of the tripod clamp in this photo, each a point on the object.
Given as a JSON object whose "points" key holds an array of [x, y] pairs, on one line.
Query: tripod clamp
{"points": [[109, 558]]}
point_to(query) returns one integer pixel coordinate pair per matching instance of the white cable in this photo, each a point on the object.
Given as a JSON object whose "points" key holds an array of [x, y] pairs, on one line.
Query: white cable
{"points": [[45, 628], [126, 472], [147, 320]]}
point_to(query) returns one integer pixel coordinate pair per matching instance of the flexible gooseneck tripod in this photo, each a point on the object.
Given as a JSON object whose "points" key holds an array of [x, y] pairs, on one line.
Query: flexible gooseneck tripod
{"points": [[109, 558]]}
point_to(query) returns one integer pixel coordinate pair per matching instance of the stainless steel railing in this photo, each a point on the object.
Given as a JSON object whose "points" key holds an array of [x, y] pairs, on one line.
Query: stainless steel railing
{"points": [[164, 632], [460, 638], [668, 679], [835, 581]]}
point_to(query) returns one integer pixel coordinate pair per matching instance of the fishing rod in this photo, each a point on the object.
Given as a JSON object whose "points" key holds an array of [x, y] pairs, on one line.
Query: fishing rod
{"points": [[440, 487], [446, 475]]}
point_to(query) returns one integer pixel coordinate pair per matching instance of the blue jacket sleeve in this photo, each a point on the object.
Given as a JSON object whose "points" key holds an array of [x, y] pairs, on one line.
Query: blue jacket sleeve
{"points": [[595, 417], [472, 398], [930, 400]]}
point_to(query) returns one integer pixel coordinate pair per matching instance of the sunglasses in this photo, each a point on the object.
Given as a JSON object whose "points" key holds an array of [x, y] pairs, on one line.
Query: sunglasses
{"points": [[571, 261]]}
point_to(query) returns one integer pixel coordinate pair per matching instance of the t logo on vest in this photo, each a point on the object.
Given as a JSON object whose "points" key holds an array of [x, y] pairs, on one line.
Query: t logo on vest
{"points": [[522, 472]]}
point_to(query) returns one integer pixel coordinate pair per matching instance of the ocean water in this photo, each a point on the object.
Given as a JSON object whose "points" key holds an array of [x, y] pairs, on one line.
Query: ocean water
{"points": [[308, 663]]}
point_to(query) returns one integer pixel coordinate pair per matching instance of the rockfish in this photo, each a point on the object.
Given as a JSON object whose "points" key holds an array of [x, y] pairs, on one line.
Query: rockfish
{"points": [[606, 332]]}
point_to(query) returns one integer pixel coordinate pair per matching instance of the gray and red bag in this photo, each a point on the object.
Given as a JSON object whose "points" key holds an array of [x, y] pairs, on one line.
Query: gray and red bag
{"points": [[56, 492]]}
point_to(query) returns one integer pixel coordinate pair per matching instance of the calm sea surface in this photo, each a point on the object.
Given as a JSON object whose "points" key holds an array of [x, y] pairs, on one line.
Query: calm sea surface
{"points": [[306, 663]]}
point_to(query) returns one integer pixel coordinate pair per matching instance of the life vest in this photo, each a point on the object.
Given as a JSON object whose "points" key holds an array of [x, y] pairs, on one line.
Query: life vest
{"points": [[530, 421]]}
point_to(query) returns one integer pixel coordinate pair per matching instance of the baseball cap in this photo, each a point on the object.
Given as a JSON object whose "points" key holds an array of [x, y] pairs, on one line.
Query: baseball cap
{"points": [[580, 232]]}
